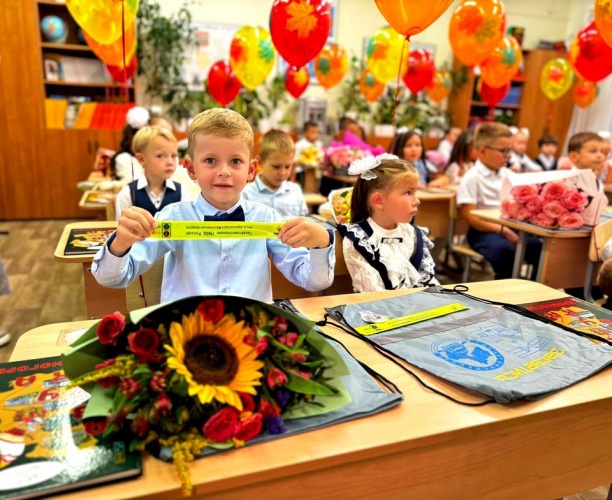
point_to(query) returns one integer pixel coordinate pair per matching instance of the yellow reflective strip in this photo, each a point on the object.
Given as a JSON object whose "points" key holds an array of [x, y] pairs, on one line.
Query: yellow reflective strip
{"points": [[196, 230]]}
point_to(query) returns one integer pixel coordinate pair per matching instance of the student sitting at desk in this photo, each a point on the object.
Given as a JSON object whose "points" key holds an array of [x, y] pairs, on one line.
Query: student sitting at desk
{"points": [[480, 188], [382, 250], [588, 151], [220, 146], [155, 149], [272, 186]]}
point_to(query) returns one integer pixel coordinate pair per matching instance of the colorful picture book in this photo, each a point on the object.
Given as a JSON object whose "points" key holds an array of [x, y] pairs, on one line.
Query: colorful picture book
{"points": [[45, 446], [97, 198], [576, 314], [87, 240]]}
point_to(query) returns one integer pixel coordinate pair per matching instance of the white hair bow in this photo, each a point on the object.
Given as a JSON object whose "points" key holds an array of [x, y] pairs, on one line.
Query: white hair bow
{"points": [[364, 166], [515, 130], [137, 117]]}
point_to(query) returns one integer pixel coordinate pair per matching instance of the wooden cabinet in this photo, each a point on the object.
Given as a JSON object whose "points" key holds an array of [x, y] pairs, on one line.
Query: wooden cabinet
{"points": [[533, 110], [39, 167]]}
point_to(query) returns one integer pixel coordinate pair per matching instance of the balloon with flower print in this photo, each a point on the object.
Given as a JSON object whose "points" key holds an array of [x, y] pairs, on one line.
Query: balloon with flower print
{"points": [[503, 63], [589, 54], [420, 70], [299, 29], [585, 93], [122, 74], [331, 65], [492, 95], [112, 53], [440, 86], [102, 19], [252, 55], [603, 19], [556, 78], [385, 50], [409, 17], [222, 84], [296, 81], [370, 87], [475, 29]]}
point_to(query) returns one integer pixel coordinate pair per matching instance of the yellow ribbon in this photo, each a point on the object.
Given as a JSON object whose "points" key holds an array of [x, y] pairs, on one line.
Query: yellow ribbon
{"points": [[196, 230]]}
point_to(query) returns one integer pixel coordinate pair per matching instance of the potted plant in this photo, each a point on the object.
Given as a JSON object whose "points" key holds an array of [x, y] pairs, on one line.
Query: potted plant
{"points": [[351, 100]]}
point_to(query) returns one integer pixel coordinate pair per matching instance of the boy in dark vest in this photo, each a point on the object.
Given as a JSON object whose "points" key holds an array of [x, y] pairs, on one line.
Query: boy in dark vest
{"points": [[156, 150]]}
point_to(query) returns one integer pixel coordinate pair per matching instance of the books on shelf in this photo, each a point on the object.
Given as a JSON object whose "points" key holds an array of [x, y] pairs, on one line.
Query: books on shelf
{"points": [[45, 446], [86, 241]]}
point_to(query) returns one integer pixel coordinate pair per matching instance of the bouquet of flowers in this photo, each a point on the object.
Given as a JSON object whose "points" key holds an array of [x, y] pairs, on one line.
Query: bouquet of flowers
{"points": [[567, 201], [203, 373], [310, 156], [340, 201], [338, 158]]}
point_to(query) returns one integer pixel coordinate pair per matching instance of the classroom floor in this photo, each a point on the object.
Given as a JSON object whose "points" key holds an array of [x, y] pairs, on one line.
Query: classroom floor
{"points": [[45, 291]]}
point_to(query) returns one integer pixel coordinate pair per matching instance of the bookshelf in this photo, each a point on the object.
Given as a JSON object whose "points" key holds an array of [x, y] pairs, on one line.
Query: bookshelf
{"points": [[525, 104]]}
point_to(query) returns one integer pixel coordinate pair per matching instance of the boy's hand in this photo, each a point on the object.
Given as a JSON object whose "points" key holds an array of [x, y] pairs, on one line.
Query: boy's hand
{"points": [[135, 224], [301, 232], [511, 236]]}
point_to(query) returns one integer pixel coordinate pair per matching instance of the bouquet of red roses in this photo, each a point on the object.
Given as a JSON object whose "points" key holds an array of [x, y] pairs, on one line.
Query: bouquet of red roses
{"points": [[202, 372]]}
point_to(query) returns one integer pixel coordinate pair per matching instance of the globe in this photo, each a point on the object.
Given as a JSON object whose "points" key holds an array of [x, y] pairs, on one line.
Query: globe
{"points": [[54, 29]]}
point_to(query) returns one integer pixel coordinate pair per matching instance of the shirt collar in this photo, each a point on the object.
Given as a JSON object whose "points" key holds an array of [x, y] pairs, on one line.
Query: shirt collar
{"points": [[486, 171], [262, 187], [203, 208], [142, 183]]}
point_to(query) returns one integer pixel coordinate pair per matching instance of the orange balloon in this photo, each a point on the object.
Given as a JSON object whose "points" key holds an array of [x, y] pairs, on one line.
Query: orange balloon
{"points": [[475, 29], [370, 87], [112, 53], [585, 93], [503, 63], [440, 86], [331, 65], [103, 19], [603, 20], [409, 17]]}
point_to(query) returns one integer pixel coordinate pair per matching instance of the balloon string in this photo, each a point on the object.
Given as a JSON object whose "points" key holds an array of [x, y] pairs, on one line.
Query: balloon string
{"points": [[125, 87], [549, 116], [397, 85]]}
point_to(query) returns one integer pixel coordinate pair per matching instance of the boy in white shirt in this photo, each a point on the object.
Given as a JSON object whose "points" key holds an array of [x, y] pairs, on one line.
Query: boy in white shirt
{"points": [[480, 188], [272, 187], [156, 150]]}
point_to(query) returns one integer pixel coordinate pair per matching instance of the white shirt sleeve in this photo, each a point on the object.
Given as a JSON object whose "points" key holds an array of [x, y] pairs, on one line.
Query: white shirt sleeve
{"points": [[467, 194]]}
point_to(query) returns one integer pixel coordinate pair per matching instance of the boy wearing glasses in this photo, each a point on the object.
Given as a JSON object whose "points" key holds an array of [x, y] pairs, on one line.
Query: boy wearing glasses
{"points": [[480, 188]]}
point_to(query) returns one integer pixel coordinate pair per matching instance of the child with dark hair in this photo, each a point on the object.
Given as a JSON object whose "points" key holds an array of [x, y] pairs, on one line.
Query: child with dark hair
{"points": [[462, 157], [409, 146], [124, 166], [548, 145], [382, 249]]}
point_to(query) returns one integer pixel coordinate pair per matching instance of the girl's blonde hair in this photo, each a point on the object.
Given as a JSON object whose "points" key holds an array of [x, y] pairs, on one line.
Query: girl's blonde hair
{"points": [[389, 173]]}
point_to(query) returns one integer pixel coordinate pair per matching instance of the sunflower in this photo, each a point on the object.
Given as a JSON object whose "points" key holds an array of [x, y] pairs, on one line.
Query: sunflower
{"points": [[214, 359]]}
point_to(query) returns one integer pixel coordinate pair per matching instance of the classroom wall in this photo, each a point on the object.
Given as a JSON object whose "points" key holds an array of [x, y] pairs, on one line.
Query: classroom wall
{"points": [[542, 19]]}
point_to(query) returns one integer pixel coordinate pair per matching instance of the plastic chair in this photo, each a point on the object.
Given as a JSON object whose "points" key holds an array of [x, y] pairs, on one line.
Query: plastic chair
{"points": [[599, 236]]}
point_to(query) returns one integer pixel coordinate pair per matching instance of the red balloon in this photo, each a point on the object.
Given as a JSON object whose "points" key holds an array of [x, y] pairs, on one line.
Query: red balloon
{"points": [[492, 95], [121, 74], [223, 85], [299, 29], [296, 81], [590, 55], [420, 71]]}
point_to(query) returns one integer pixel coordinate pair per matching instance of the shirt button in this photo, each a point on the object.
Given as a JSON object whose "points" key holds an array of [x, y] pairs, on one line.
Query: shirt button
{"points": [[224, 290]]}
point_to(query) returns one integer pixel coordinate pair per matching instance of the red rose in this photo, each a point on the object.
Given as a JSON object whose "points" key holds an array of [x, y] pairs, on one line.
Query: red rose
{"points": [[269, 408], [144, 344], [212, 310], [543, 220], [107, 382], [275, 378], [222, 425], [248, 403], [535, 204], [554, 209], [95, 427], [523, 193], [553, 190], [249, 427], [571, 220], [575, 200], [110, 328], [77, 412]]}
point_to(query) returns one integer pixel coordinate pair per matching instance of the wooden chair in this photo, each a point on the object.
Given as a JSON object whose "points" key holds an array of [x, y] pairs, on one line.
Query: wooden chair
{"points": [[111, 214], [599, 236], [457, 241], [149, 292]]}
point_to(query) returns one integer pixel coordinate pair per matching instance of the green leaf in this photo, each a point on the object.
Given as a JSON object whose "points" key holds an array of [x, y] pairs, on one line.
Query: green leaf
{"points": [[305, 386]]}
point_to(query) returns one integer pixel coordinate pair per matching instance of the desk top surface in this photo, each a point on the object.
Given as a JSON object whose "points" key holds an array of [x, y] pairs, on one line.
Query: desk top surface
{"points": [[434, 421], [61, 244]]}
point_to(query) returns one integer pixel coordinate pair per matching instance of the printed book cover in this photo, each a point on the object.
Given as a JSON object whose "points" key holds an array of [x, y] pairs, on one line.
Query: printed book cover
{"points": [[97, 198], [86, 241], [45, 446], [576, 314]]}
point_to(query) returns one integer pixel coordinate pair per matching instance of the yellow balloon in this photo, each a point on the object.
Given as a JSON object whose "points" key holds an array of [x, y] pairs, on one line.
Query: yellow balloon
{"points": [[101, 19], [252, 55], [556, 78], [384, 54], [112, 53], [409, 17]]}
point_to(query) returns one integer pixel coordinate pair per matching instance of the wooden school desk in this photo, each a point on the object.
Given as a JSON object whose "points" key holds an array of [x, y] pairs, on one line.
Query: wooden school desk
{"points": [[434, 210], [427, 447], [564, 257]]}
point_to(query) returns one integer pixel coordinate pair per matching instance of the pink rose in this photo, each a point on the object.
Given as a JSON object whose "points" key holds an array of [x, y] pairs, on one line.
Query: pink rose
{"points": [[523, 214], [543, 220], [575, 200], [553, 190], [554, 209], [509, 208], [535, 204], [571, 220], [523, 193]]}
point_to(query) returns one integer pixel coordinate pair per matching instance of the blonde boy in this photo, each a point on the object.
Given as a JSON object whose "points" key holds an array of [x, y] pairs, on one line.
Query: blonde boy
{"points": [[156, 150], [480, 188], [220, 146], [272, 186]]}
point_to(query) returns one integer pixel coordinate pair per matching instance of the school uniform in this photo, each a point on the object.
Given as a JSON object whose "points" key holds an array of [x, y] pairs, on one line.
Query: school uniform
{"points": [[481, 186], [217, 266], [546, 162], [287, 200], [137, 193]]}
